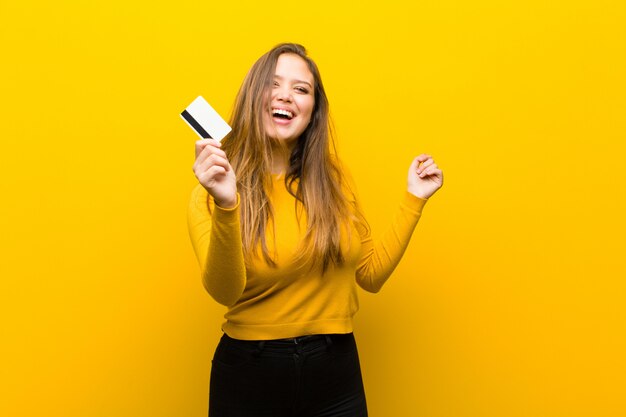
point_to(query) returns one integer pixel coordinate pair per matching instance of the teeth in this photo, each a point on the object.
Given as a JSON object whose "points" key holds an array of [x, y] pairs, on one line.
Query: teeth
{"points": [[283, 112]]}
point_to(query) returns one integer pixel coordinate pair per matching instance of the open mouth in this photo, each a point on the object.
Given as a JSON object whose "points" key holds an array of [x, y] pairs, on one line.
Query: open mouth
{"points": [[282, 114]]}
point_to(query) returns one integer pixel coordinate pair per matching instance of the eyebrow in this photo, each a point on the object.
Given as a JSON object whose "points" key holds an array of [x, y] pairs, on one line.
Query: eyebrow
{"points": [[296, 81]]}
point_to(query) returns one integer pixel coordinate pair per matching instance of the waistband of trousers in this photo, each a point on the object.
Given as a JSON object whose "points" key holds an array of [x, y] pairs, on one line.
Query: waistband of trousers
{"points": [[299, 341]]}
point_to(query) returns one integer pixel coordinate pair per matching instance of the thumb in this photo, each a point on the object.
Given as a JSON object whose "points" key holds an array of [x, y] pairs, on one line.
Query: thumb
{"points": [[415, 164]]}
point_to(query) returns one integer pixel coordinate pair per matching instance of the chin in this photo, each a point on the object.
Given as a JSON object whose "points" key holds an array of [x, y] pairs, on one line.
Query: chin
{"points": [[286, 138]]}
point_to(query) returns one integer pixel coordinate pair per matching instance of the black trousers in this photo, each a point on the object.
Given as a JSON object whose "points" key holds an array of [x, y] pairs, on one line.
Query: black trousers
{"points": [[310, 376]]}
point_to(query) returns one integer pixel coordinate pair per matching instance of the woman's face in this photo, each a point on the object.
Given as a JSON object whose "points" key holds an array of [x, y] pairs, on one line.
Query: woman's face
{"points": [[292, 99]]}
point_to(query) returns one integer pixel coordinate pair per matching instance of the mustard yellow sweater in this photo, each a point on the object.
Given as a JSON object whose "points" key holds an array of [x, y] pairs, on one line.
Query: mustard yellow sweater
{"points": [[290, 300]]}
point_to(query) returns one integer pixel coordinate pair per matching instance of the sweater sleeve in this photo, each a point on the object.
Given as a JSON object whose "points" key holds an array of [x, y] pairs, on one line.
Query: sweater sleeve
{"points": [[216, 239], [380, 257]]}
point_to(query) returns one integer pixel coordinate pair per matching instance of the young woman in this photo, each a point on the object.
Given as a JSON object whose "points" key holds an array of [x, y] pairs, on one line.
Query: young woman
{"points": [[282, 242]]}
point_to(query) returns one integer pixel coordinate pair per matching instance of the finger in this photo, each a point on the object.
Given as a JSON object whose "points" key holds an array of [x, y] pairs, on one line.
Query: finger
{"points": [[213, 160], [418, 160], [208, 151], [431, 170], [424, 165], [207, 160], [203, 143], [427, 169], [212, 174]]}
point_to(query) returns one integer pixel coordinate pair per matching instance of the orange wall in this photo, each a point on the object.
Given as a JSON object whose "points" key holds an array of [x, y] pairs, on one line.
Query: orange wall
{"points": [[511, 298]]}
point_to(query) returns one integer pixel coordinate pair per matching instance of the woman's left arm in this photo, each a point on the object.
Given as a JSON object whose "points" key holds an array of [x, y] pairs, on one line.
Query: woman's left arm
{"points": [[381, 257]]}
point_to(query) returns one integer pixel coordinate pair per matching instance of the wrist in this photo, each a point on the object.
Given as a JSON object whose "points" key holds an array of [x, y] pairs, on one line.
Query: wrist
{"points": [[226, 203], [418, 194]]}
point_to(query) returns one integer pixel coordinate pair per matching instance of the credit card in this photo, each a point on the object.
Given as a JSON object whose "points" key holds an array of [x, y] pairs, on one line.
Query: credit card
{"points": [[205, 121]]}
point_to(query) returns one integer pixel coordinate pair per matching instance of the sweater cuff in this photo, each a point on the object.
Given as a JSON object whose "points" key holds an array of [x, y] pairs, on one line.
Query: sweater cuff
{"points": [[227, 215], [414, 203]]}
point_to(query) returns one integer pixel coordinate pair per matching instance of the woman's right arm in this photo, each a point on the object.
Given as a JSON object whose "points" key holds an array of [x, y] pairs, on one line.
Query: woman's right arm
{"points": [[215, 234]]}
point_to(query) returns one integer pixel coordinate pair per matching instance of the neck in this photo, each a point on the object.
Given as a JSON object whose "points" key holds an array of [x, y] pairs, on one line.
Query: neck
{"points": [[280, 157]]}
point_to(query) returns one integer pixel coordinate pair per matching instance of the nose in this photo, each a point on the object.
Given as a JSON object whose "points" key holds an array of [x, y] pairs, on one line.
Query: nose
{"points": [[283, 94]]}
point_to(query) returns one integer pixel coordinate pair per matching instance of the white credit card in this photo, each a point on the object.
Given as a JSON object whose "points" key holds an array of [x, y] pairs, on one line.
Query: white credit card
{"points": [[205, 121]]}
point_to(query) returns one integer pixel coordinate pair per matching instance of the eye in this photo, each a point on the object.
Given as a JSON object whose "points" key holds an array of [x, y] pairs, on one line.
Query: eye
{"points": [[276, 84], [302, 90]]}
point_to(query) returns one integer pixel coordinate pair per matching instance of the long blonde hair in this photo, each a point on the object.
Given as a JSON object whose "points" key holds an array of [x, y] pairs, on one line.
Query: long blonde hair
{"points": [[313, 176]]}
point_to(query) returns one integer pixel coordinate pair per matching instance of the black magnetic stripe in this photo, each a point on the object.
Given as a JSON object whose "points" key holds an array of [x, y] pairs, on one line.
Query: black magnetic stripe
{"points": [[195, 124]]}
